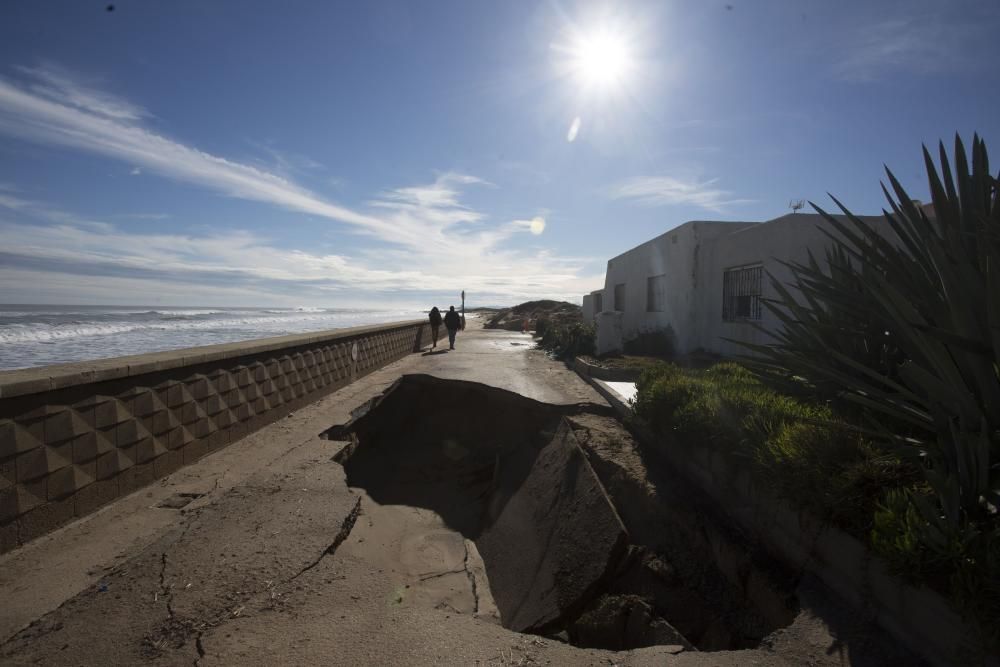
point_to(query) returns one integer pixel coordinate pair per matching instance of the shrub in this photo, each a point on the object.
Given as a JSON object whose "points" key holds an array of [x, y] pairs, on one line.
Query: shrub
{"points": [[541, 326], [907, 331], [568, 341], [797, 447], [937, 294]]}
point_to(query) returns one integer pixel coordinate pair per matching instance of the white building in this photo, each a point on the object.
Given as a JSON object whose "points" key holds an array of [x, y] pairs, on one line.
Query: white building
{"points": [[705, 281]]}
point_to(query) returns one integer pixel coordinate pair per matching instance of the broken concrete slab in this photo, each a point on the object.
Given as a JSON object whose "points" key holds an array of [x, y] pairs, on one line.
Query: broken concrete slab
{"points": [[551, 536], [505, 471]]}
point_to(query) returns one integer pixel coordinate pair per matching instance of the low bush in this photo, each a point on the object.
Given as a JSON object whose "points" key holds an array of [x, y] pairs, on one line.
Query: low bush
{"points": [[962, 562], [813, 458], [798, 448], [541, 326], [568, 341]]}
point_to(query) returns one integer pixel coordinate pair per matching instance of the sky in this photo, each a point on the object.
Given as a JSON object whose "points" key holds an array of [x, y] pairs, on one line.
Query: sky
{"points": [[390, 154]]}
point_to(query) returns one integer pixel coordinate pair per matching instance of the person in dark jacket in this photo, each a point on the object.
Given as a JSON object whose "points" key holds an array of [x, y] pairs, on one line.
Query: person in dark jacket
{"points": [[453, 323], [435, 326]]}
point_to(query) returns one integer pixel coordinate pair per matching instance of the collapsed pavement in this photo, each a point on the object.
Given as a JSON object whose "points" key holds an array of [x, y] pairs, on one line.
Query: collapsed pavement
{"points": [[294, 566]]}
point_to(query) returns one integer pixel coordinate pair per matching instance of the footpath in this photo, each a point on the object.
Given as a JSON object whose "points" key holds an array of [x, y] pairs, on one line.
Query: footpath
{"points": [[261, 554]]}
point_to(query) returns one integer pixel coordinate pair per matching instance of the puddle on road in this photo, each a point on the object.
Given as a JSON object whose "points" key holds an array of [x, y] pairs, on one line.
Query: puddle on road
{"points": [[472, 478], [523, 342]]}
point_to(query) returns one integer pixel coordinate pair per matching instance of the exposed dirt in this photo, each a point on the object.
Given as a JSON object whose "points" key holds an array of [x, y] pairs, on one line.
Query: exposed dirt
{"points": [[556, 312], [479, 447]]}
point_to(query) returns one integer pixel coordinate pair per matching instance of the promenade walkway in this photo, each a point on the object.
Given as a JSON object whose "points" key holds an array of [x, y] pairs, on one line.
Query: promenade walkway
{"points": [[229, 562]]}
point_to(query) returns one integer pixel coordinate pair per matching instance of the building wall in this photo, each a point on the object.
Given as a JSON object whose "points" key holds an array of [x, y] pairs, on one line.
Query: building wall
{"points": [[587, 310], [675, 255], [76, 436], [694, 258], [593, 304], [790, 239]]}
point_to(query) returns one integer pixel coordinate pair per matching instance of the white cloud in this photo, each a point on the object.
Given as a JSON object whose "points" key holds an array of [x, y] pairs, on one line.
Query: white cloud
{"points": [[144, 216], [61, 115], [54, 83], [42, 211], [923, 44], [136, 171], [243, 260], [436, 241], [668, 190]]}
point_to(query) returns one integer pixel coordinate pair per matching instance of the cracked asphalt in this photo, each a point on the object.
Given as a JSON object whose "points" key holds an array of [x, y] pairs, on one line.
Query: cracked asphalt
{"points": [[277, 561]]}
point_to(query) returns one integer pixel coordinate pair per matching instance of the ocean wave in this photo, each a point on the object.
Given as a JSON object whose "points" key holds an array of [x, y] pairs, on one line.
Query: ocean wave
{"points": [[189, 313], [110, 312], [253, 324]]}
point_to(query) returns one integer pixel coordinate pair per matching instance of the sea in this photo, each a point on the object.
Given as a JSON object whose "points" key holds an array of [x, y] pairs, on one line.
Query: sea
{"points": [[41, 335]]}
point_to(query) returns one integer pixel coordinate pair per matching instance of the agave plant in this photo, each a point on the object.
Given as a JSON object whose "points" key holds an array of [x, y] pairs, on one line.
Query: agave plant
{"points": [[905, 323]]}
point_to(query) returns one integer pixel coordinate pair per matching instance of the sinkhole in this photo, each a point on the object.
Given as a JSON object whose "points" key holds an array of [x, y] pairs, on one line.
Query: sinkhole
{"points": [[508, 473]]}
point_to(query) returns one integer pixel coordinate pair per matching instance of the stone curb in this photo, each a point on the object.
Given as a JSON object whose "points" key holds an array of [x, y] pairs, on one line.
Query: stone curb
{"points": [[588, 370]]}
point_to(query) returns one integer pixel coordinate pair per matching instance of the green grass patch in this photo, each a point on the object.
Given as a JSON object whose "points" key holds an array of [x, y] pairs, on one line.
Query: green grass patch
{"points": [[813, 458], [800, 449]]}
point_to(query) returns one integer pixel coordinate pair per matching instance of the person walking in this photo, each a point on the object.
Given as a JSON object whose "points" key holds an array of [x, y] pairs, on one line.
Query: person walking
{"points": [[435, 326], [452, 322]]}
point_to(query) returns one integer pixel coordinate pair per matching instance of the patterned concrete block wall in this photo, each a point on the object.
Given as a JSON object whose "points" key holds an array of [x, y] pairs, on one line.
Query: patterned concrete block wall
{"points": [[76, 436]]}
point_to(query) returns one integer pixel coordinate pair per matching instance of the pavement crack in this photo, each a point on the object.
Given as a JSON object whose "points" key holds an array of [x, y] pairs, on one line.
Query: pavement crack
{"points": [[345, 530], [472, 580], [164, 591], [200, 648], [438, 575]]}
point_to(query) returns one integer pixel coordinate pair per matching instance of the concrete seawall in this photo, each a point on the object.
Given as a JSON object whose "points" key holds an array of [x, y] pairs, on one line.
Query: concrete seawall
{"points": [[76, 436]]}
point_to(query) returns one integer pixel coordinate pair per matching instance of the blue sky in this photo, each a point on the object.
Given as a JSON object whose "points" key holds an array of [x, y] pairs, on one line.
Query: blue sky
{"points": [[391, 154]]}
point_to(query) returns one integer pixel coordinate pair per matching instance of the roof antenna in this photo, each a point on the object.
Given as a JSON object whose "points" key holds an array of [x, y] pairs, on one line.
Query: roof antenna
{"points": [[796, 205]]}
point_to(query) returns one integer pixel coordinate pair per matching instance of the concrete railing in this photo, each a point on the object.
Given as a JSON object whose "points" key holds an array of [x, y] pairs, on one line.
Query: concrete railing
{"points": [[76, 436]]}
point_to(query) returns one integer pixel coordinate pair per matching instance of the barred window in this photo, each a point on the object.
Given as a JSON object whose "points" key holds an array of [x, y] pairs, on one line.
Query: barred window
{"points": [[620, 297], [741, 292], [656, 293], [598, 303]]}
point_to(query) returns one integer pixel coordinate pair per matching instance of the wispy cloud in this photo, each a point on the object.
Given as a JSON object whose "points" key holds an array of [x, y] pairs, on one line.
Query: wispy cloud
{"points": [[921, 44], [143, 216], [438, 241], [71, 115], [12, 201], [54, 83], [240, 259], [670, 191]]}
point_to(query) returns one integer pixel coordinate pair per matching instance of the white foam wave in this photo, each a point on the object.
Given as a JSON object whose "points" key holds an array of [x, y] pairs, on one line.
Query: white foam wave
{"points": [[288, 322], [188, 313]]}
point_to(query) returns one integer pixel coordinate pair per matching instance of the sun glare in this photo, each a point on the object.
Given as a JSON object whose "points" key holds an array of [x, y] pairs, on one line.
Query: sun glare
{"points": [[600, 59]]}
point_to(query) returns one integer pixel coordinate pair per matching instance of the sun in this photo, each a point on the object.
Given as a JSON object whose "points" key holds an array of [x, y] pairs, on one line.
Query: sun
{"points": [[600, 58]]}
